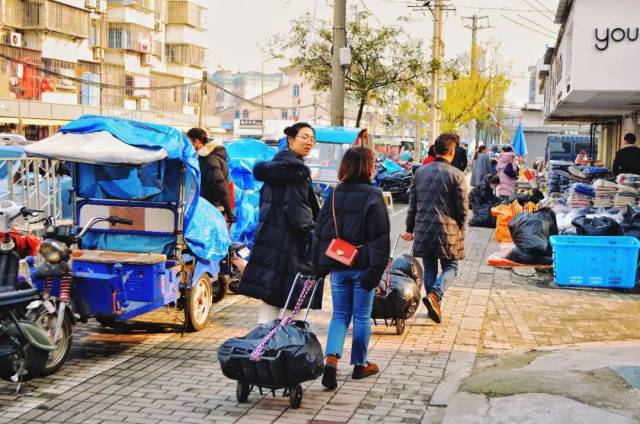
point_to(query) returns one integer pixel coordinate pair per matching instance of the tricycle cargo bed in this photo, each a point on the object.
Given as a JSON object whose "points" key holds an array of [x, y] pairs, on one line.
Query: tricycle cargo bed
{"points": [[102, 256]]}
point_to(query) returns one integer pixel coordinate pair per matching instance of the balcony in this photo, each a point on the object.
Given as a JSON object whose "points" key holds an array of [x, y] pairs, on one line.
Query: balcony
{"points": [[49, 15], [185, 54], [145, 5], [129, 37], [185, 13], [10, 13]]}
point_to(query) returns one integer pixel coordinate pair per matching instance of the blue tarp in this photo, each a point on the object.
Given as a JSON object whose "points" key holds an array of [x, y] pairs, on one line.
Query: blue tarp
{"points": [[243, 155], [337, 135], [205, 230]]}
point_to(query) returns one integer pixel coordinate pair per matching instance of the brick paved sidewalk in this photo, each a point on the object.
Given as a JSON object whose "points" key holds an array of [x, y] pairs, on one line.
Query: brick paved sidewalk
{"points": [[144, 374]]}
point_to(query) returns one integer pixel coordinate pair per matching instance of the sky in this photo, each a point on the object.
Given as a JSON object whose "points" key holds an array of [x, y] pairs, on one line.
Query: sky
{"points": [[238, 29]]}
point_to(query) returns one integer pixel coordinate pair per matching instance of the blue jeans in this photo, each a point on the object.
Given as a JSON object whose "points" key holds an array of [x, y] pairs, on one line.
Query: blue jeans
{"points": [[350, 300], [435, 283]]}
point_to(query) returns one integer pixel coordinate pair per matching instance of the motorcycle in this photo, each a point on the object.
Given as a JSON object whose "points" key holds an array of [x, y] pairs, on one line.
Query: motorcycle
{"points": [[24, 347], [57, 312]]}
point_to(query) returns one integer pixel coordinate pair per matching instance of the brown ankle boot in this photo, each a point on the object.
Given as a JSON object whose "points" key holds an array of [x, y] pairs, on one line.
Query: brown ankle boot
{"points": [[362, 371], [432, 302], [329, 373]]}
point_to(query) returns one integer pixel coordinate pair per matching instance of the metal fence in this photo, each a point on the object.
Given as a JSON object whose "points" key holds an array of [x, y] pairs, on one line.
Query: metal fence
{"points": [[33, 183]]}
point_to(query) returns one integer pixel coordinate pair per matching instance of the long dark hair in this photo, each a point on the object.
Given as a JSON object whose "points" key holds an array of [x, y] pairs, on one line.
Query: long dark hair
{"points": [[357, 164], [480, 150]]}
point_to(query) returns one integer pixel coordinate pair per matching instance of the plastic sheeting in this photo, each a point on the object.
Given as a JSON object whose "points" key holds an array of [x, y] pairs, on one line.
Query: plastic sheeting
{"points": [[243, 155], [99, 146], [337, 135], [205, 230]]}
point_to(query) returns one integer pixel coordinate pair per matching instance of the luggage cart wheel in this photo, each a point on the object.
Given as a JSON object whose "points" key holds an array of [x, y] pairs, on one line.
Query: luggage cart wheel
{"points": [[295, 396], [399, 326], [242, 392]]}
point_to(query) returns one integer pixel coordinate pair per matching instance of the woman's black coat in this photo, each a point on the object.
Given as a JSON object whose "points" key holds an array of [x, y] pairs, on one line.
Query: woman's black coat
{"points": [[288, 209], [362, 219]]}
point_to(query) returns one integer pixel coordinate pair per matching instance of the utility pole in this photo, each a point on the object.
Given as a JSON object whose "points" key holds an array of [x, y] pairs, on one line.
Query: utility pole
{"points": [[436, 57], [337, 72], [203, 93], [475, 27]]}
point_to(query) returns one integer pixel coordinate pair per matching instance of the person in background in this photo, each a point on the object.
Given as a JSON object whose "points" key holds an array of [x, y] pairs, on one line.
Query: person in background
{"points": [[288, 210], [507, 182], [362, 219], [436, 219], [214, 171], [627, 160], [460, 160], [582, 158], [481, 165], [431, 156]]}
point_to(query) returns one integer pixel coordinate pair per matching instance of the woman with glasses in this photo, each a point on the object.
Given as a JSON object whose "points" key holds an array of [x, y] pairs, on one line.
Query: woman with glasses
{"points": [[288, 210]]}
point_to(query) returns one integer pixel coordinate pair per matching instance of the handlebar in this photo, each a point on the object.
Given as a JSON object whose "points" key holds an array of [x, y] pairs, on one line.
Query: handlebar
{"points": [[110, 219], [117, 220]]}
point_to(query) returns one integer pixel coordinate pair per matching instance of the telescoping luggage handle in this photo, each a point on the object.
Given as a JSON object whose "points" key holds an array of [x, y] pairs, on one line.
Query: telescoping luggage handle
{"points": [[393, 253], [310, 286]]}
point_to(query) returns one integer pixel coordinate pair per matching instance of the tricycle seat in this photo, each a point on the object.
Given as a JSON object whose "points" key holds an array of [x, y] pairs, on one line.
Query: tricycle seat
{"points": [[109, 257]]}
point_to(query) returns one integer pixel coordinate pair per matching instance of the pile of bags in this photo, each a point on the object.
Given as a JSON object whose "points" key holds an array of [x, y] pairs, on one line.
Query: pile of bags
{"points": [[401, 299], [531, 234]]}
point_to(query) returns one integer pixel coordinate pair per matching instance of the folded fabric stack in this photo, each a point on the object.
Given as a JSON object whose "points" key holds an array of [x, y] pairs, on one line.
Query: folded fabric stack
{"points": [[605, 192], [581, 195], [628, 190], [595, 171], [558, 177]]}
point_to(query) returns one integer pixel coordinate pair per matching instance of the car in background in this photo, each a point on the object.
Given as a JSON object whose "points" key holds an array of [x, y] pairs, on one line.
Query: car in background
{"points": [[567, 147]]}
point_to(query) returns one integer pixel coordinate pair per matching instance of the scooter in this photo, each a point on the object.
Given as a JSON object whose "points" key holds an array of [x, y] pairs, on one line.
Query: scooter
{"points": [[231, 268], [56, 311], [24, 347]]}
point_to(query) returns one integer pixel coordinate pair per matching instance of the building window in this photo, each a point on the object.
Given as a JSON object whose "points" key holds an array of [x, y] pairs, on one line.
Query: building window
{"points": [[245, 114], [296, 90], [236, 114], [285, 114]]}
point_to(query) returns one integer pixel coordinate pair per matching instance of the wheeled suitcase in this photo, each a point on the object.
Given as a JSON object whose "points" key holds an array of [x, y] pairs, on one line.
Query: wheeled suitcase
{"points": [[398, 296], [280, 354]]}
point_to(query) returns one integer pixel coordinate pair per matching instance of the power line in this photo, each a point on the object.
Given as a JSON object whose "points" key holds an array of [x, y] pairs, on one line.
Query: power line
{"points": [[539, 11], [553, 32], [370, 11], [521, 25], [93, 83], [544, 6]]}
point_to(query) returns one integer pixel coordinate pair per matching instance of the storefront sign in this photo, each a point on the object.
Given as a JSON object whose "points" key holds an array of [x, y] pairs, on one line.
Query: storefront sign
{"points": [[250, 123], [607, 35]]}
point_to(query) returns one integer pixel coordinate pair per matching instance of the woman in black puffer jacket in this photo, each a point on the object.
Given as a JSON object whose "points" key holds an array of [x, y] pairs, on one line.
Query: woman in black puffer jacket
{"points": [[362, 220], [288, 209]]}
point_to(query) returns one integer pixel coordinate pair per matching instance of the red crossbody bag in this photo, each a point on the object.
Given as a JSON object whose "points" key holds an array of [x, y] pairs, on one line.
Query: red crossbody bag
{"points": [[340, 250]]}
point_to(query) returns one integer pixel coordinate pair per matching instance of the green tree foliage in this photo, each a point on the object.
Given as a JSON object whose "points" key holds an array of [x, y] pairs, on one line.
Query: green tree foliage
{"points": [[471, 96], [385, 60]]}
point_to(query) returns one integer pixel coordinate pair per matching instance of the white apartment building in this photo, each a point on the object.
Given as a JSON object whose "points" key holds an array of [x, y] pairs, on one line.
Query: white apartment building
{"points": [[65, 58]]}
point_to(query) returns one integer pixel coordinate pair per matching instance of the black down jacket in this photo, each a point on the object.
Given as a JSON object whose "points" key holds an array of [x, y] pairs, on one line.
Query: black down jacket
{"points": [[438, 211], [288, 209], [362, 219], [215, 176]]}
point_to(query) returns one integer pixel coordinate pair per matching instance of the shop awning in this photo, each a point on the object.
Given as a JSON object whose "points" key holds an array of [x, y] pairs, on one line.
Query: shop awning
{"points": [[7, 120], [44, 122]]}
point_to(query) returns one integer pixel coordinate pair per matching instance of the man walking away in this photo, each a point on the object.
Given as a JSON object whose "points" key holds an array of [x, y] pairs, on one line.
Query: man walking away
{"points": [[627, 159], [212, 158], [460, 160], [436, 220]]}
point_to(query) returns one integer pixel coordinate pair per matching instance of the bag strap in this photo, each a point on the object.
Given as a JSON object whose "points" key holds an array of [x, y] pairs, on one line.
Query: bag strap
{"points": [[333, 210], [256, 355]]}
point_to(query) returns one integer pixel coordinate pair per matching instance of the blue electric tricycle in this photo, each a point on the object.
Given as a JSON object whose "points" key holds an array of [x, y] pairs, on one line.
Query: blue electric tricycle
{"points": [[141, 238]]}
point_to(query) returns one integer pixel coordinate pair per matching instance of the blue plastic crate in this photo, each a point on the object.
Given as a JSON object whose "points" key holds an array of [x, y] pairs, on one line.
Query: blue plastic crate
{"points": [[594, 261]]}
